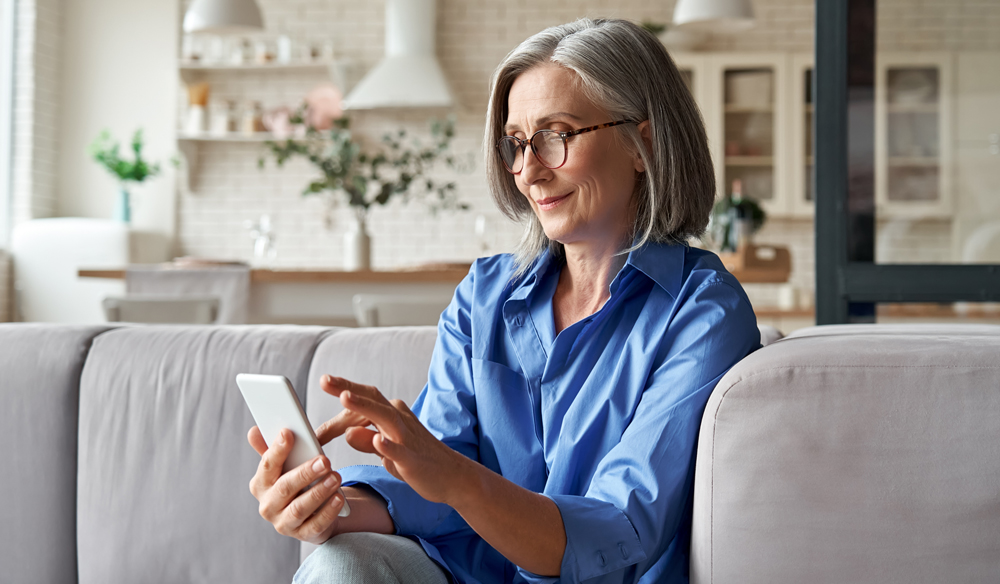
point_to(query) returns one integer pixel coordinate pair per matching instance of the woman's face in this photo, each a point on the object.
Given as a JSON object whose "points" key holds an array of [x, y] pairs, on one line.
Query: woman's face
{"points": [[588, 199]]}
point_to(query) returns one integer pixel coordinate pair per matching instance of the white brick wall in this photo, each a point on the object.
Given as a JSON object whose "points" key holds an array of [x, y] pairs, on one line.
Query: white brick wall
{"points": [[35, 152], [5, 287]]}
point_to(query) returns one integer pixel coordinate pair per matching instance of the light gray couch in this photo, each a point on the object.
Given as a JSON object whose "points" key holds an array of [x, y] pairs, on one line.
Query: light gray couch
{"points": [[839, 454]]}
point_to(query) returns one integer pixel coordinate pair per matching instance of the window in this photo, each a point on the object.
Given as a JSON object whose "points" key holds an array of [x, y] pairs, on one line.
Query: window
{"points": [[6, 115]]}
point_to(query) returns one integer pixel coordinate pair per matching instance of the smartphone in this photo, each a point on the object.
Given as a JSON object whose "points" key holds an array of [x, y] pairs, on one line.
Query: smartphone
{"points": [[274, 405]]}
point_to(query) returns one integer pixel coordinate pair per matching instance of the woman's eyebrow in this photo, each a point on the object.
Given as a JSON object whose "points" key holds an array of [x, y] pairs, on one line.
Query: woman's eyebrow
{"points": [[510, 126]]}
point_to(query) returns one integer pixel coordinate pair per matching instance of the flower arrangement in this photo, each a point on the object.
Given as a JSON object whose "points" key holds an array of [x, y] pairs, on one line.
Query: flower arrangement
{"points": [[104, 149], [322, 135]]}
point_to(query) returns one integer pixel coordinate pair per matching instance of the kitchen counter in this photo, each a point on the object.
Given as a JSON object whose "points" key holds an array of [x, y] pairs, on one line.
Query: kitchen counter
{"points": [[324, 297], [303, 275]]}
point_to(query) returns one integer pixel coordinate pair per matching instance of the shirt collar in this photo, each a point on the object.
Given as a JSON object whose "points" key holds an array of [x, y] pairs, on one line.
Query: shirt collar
{"points": [[663, 263], [530, 280]]}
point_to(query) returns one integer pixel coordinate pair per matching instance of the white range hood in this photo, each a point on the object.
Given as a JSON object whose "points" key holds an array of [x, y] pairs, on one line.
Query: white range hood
{"points": [[409, 75]]}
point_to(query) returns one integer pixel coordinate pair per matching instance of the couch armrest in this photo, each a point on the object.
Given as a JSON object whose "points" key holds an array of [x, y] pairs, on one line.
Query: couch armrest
{"points": [[857, 453]]}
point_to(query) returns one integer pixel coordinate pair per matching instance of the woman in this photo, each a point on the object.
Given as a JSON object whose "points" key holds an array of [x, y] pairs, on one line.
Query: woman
{"points": [[555, 437]]}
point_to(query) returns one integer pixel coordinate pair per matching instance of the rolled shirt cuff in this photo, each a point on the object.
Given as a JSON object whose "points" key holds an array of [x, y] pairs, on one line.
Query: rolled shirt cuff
{"points": [[411, 513], [600, 539]]}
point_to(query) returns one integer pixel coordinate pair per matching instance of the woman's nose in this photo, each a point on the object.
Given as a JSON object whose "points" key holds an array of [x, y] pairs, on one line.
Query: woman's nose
{"points": [[532, 170]]}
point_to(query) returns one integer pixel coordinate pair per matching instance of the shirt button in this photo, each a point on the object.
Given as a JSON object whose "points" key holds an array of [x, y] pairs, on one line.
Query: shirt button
{"points": [[518, 321], [601, 560], [623, 550]]}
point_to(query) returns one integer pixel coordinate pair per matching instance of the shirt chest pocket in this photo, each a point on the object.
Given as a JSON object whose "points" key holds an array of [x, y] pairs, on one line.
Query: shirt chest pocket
{"points": [[509, 424]]}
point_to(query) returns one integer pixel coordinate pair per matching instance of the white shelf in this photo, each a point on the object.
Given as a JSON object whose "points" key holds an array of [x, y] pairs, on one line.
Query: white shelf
{"points": [[733, 108], [749, 161], [298, 66], [235, 137], [912, 108], [914, 161]]}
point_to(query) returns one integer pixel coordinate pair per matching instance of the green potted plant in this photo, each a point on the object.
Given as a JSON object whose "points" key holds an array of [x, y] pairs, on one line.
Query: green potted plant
{"points": [[735, 219], [366, 178], [104, 150]]}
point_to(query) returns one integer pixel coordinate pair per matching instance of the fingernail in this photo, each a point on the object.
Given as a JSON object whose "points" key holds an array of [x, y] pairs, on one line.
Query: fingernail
{"points": [[281, 438], [327, 379], [348, 395], [318, 466], [329, 482]]}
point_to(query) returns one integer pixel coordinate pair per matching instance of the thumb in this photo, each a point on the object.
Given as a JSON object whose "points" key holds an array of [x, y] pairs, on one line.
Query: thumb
{"points": [[385, 447]]}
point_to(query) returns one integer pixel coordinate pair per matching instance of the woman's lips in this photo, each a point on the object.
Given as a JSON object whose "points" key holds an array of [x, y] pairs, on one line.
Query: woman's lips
{"points": [[550, 202]]}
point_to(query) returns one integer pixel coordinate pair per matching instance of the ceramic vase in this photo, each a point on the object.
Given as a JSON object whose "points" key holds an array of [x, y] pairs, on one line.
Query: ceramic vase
{"points": [[357, 244], [123, 207]]}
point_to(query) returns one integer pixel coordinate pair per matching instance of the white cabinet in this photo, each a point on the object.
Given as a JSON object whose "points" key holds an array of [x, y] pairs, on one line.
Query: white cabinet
{"points": [[758, 112], [913, 153], [746, 100], [750, 131]]}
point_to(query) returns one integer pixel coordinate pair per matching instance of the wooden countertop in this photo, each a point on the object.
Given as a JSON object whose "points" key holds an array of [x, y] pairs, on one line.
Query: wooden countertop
{"points": [[444, 275], [449, 274]]}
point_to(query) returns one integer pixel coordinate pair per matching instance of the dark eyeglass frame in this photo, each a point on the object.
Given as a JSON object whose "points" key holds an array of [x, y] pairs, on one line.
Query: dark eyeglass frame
{"points": [[523, 144]]}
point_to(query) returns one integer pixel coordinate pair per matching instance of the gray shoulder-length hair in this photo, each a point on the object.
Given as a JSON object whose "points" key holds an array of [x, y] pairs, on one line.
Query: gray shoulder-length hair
{"points": [[626, 71]]}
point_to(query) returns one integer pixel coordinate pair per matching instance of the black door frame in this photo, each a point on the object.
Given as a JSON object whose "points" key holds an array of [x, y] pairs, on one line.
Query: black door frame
{"points": [[848, 281]]}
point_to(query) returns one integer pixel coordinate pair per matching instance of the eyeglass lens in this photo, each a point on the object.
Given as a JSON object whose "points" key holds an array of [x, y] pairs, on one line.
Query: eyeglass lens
{"points": [[547, 146]]}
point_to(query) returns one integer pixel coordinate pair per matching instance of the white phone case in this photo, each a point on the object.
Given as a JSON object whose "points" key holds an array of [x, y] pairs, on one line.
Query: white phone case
{"points": [[274, 405]]}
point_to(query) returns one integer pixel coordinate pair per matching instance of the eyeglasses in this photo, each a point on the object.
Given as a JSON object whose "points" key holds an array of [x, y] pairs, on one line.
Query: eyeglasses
{"points": [[549, 147]]}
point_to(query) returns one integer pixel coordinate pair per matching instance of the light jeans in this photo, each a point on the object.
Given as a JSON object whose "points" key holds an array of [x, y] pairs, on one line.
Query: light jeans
{"points": [[369, 558]]}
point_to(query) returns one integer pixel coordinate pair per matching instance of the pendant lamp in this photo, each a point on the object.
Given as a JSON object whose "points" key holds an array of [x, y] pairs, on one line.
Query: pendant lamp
{"points": [[723, 16], [223, 17]]}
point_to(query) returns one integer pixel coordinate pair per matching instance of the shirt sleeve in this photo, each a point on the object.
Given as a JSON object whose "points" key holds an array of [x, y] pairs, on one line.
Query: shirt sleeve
{"points": [[448, 412], [635, 504]]}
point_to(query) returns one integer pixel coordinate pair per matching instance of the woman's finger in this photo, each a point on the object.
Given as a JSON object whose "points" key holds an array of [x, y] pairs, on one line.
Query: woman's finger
{"points": [[256, 440], [383, 415], [302, 507], [322, 519], [386, 448], [339, 424], [288, 487], [337, 385], [271, 462], [360, 439]]}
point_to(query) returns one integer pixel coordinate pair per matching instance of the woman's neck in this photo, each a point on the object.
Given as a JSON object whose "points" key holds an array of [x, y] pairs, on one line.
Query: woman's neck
{"points": [[584, 282]]}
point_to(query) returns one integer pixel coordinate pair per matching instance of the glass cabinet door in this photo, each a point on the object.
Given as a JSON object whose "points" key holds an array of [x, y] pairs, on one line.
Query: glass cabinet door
{"points": [[803, 170], [911, 127], [749, 131], [753, 95]]}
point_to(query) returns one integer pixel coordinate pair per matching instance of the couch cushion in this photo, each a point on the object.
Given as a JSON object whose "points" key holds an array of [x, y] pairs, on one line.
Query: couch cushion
{"points": [[163, 459], [41, 367], [855, 453]]}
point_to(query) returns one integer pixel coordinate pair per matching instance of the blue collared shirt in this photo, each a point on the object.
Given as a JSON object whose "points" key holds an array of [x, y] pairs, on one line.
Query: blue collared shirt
{"points": [[601, 418]]}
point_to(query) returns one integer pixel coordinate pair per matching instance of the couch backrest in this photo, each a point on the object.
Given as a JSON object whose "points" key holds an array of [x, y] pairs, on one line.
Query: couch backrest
{"points": [[859, 453], [164, 466], [40, 367]]}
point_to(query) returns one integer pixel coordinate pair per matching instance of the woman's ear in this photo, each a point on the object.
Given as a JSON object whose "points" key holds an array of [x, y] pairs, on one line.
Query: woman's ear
{"points": [[647, 140]]}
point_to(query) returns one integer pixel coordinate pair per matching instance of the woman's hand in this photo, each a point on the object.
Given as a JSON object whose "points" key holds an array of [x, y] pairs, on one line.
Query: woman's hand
{"points": [[310, 516], [408, 450]]}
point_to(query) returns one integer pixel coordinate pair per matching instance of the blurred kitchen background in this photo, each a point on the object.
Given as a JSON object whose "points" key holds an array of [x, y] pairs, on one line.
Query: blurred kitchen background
{"points": [[71, 69]]}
